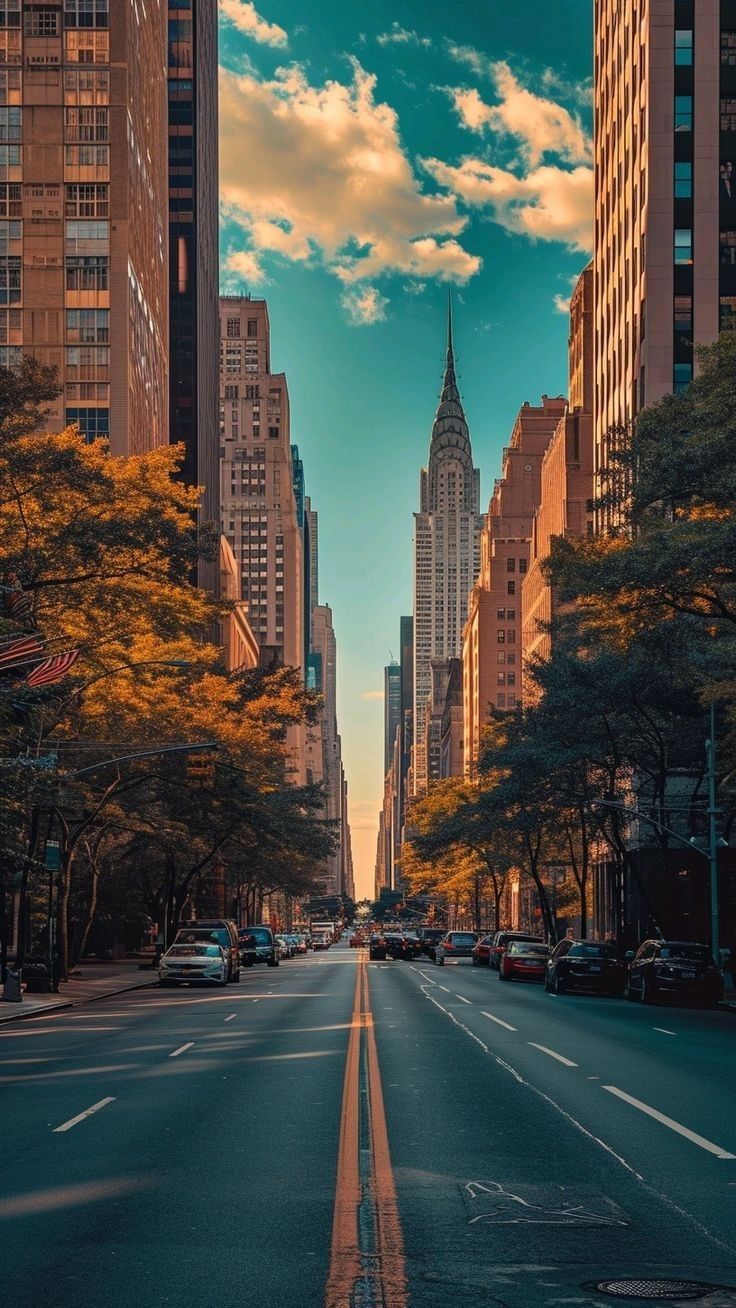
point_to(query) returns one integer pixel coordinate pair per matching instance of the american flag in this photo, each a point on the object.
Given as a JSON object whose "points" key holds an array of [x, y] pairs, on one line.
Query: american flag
{"points": [[18, 602], [19, 651], [52, 669]]}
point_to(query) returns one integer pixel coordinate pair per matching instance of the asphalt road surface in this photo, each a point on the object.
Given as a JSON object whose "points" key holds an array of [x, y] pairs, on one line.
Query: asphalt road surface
{"points": [[365, 1135]]}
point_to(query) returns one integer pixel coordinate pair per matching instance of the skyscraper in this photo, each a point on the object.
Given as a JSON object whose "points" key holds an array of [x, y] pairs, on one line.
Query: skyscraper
{"points": [[446, 549], [259, 511], [84, 210], [665, 200], [193, 253], [391, 710]]}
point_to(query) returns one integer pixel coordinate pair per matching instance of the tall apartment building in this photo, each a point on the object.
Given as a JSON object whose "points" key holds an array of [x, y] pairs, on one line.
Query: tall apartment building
{"points": [[665, 199], [258, 506], [492, 637], [566, 488], [446, 550], [83, 211], [391, 710], [194, 327]]}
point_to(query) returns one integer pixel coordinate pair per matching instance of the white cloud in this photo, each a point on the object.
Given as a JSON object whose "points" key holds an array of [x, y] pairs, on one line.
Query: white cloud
{"points": [[399, 35], [365, 306], [246, 264], [321, 172], [562, 303], [541, 126], [243, 15], [580, 92], [466, 54], [547, 203]]}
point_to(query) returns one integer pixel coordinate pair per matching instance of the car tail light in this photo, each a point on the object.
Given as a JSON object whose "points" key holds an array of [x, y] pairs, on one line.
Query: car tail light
{"points": [[449, 944]]}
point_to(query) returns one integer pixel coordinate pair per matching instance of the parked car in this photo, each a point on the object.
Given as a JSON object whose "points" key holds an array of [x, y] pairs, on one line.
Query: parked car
{"points": [[456, 944], [524, 960], [501, 942], [302, 944], [591, 965], [429, 938], [285, 949], [675, 969], [218, 930], [481, 954], [257, 945], [377, 946], [321, 940], [196, 962]]}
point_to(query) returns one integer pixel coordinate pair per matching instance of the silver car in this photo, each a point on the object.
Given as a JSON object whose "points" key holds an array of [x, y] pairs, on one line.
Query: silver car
{"points": [[456, 944], [192, 963]]}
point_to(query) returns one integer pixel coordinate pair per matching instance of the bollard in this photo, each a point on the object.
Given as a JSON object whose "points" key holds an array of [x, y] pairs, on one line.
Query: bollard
{"points": [[11, 990]]}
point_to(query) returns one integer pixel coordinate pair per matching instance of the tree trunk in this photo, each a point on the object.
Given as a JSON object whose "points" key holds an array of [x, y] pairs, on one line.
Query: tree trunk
{"points": [[476, 903], [91, 909], [63, 913]]}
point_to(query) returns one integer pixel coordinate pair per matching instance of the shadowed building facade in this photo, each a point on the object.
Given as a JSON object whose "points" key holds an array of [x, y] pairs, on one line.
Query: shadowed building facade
{"points": [[84, 210], [446, 551]]}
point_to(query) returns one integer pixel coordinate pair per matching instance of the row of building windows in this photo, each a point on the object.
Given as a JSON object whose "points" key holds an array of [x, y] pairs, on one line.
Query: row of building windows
{"points": [[44, 20]]}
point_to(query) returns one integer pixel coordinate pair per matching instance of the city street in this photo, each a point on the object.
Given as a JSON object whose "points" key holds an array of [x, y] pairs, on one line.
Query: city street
{"points": [[342, 1132]]}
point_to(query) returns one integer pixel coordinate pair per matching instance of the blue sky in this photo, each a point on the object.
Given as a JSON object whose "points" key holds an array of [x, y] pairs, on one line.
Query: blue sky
{"points": [[371, 157]]}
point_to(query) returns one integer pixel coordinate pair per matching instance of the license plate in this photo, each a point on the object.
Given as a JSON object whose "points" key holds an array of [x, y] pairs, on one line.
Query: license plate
{"points": [[689, 976], [595, 967]]}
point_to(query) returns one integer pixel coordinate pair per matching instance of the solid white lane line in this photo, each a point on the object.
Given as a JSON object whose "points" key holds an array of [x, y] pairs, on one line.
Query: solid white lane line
{"points": [[181, 1049], [230, 1018], [499, 1020], [669, 1121], [664, 1030], [445, 988], [560, 1057], [462, 997], [67, 1126]]}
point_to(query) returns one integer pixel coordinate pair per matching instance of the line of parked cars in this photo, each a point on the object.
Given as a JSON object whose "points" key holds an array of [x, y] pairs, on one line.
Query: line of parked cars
{"points": [[214, 951], [658, 970]]}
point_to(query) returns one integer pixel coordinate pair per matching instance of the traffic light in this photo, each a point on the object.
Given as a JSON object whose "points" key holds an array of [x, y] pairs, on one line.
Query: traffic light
{"points": [[201, 770]]}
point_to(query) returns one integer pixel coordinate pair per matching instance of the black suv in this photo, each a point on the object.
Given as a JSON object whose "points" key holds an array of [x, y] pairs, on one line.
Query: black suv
{"points": [[258, 945], [680, 969]]}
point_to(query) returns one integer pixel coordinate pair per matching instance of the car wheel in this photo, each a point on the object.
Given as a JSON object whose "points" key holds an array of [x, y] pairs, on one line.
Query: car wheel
{"points": [[647, 992]]}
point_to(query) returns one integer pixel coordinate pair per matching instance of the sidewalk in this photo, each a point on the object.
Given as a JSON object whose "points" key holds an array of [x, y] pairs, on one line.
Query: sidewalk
{"points": [[96, 981]]}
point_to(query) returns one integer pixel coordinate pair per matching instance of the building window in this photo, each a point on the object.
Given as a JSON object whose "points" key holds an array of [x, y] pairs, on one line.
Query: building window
{"points": [[87, 201], [510, 587], [511, 637], [11, 356], [252, 327], [501, 657], [511, 565], [9, 13], [510, 678], [728, 114], [683, 313], [85, 364], [727, 312], [683, 375], [683, 113], [85, 123], [83, 47], [11, 119], [86, 86], [87, 273], [11, 200], [41, 20], [683, 245], [511, 616], [683, 47], [10, 279], [683, 180], [727, 243], [522, 565], [87, 326], [233, 327], [93, 423], [501, 615], [501, 678], [86, 13], [501, 700], [231, 393], [728, 47], [501, 637]]}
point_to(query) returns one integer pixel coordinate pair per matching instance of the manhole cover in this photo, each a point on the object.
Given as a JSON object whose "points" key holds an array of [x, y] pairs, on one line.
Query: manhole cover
{"points": [[656, 1290]]}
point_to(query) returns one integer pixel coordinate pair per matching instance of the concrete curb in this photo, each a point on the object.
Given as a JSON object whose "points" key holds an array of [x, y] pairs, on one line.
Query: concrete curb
{"points": [[70, 1003]]}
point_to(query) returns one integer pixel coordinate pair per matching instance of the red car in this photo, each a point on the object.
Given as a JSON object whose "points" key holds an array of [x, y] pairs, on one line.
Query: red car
{"points": [[524, 960], [482, 953], [503, 939]]}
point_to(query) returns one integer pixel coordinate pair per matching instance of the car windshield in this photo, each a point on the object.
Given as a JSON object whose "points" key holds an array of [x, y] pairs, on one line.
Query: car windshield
{"points": [[220, 937], [462, 937], [693, 953], [592, 949], [260, 934], [195, 951], [530, 950]]}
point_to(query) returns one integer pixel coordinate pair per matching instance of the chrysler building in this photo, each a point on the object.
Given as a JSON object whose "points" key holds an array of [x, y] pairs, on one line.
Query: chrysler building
{"points": [[446, 550]]}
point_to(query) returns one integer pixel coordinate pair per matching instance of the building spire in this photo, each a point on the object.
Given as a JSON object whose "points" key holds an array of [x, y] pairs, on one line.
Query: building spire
{"points": [[450, 355]]}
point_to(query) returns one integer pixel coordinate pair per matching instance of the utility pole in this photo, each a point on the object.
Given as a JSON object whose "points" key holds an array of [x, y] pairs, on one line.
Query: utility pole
{"points": [[710, 755]]}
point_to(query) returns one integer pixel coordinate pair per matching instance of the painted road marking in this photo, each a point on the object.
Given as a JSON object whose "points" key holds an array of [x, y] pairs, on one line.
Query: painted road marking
{"points": [[230, 1018], [560, 1057], [181, 1049], [73, 1121], [445, 988], [500, 1020], [664, 1030], [462, 997], [671, 1123]]}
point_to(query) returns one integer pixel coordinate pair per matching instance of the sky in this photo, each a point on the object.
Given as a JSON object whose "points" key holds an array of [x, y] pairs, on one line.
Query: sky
{"points": [[372, 157]]}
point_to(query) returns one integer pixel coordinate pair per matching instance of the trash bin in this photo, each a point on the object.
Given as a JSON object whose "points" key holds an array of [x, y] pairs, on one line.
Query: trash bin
{"points": [[11, 990]]}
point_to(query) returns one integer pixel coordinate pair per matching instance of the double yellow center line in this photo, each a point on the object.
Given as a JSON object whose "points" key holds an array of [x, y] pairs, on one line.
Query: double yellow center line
{"points": [[376, 1259]]}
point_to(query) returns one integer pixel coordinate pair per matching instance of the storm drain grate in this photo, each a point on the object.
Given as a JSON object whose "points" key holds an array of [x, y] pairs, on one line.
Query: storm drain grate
{"points": [[659, 1290]]}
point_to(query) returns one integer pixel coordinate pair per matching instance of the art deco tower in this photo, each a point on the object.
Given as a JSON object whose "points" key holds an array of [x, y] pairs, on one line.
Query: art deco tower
{"points": [[446, 549]]}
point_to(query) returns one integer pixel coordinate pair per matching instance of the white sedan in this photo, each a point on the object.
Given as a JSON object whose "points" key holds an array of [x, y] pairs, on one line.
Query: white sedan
{"points": [[187, 964]]}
